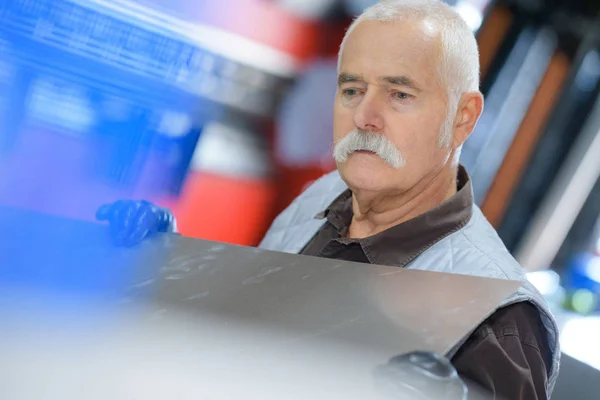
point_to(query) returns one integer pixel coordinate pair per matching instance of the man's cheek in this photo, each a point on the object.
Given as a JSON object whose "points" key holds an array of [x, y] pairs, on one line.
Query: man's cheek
{"points": [[340, 131], [337, 137]]}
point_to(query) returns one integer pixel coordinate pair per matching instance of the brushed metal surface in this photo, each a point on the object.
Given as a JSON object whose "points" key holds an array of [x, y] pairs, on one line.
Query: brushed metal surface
{"points": [[388, 310], [181, 318]]}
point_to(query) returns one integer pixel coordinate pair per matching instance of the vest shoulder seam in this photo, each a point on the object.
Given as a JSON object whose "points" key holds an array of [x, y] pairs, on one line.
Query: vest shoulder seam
{"points": [[484, 254]]}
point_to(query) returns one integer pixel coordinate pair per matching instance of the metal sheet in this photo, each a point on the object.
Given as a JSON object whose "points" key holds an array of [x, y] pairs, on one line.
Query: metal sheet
{"points": [[208, 358], [391, 309], [224, 301]]}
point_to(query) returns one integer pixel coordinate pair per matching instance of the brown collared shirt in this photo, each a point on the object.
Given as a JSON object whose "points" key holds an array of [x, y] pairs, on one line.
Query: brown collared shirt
{"points": [[508, 354]]}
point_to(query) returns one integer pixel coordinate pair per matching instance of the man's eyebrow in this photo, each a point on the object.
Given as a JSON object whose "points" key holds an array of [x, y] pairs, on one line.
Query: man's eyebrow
{"points": [[345, 78], [401, 80]]}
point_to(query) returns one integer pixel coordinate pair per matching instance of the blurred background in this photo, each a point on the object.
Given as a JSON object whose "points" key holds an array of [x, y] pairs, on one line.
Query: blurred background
{"points": [[221, 111]]}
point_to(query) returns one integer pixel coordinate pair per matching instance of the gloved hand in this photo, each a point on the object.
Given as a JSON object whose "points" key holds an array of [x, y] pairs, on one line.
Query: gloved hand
{"points": [[133, 221]]}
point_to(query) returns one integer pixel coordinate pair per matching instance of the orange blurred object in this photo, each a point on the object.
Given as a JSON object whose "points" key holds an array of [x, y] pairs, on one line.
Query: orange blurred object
{"points": [[224, 208]]}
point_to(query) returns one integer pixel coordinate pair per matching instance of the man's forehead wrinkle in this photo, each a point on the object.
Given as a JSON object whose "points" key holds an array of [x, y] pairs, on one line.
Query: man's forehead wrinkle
{"points": [[412, 51], [403, 44]]}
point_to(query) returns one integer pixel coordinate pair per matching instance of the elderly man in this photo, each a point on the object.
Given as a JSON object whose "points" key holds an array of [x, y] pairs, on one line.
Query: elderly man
{"points": [[407, 100]]}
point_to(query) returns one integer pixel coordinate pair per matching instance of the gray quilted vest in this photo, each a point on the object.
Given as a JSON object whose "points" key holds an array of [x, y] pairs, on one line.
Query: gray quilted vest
{"points": [[474, 250]]}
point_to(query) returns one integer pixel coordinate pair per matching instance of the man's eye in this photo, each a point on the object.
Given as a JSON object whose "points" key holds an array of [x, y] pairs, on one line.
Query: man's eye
{"points": [[350, 92], [402, 95]]}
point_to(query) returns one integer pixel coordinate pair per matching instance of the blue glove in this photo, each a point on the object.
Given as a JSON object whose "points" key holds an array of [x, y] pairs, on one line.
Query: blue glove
{"points": [[133, 221]]}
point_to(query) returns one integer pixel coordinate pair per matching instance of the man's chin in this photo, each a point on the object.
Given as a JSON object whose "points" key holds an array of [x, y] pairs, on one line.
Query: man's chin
{"points": [[361, 177]]}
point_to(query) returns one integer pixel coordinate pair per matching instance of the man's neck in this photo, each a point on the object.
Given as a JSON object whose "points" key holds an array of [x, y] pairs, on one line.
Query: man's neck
{"points": [[376, 212]]}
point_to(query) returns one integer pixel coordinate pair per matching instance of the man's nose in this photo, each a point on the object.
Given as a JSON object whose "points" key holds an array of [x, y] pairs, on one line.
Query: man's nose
{"points": [[368, 114]]}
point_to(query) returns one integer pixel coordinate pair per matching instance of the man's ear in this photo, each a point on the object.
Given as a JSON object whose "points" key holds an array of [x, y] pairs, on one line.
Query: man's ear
{"points": [[469, 110]]}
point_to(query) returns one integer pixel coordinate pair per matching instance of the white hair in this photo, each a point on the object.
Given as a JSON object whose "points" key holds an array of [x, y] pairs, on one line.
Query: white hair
{"points": [[458, 70]]}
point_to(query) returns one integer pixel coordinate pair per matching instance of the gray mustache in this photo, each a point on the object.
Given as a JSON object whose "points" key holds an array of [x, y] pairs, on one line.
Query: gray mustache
{"points": [[358, 140]]}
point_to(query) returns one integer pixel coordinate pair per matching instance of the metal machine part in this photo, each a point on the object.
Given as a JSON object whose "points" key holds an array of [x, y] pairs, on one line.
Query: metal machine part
{"points": [[201, 60], [566, 197], [506, 105], [309, 9], [108, 99]]}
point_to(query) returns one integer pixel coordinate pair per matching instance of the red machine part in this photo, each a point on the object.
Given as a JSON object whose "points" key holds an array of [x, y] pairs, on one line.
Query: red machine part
{"points": [[225, 209], [238, 207], [234, 204], [229, 192]]}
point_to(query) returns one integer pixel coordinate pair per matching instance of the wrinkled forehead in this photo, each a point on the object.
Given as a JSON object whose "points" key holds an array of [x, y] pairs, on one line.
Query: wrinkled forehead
{"points": [[407, 47]]}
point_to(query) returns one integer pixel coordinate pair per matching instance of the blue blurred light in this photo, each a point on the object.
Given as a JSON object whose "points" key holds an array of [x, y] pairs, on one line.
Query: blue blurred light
{"points": [[94, 106]]}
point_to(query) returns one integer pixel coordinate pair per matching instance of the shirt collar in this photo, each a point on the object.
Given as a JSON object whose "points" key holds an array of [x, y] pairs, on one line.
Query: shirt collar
{"points": [[402, 243]]}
